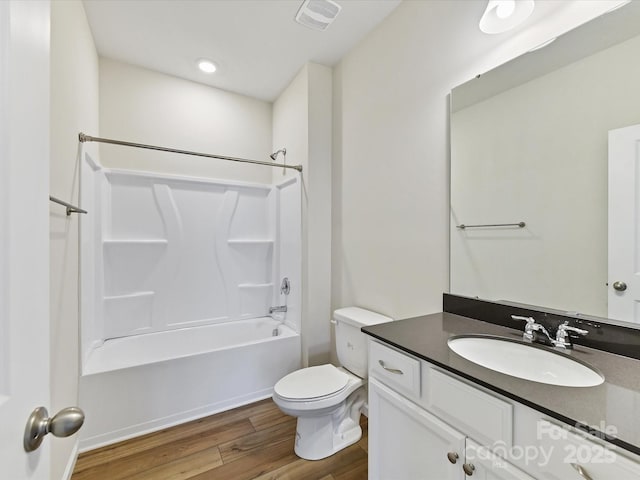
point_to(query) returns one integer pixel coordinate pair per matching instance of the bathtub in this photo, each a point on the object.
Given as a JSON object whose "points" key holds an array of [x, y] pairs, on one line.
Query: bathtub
{"points": [[134, 385]]}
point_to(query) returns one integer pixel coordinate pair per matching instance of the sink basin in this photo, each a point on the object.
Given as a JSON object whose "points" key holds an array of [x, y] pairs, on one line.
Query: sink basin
{"points": [[525, 360]]}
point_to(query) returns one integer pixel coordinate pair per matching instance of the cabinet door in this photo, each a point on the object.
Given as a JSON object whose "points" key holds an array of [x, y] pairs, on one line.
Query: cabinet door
{"points": [[485, 465], [407, 443]]}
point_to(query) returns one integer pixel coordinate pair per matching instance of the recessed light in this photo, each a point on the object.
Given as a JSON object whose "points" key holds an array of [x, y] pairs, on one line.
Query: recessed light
{"points": [[207, 66]]}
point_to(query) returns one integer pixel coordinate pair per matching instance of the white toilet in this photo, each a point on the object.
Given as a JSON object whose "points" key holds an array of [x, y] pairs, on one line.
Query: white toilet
{"points": [[326, 399]]}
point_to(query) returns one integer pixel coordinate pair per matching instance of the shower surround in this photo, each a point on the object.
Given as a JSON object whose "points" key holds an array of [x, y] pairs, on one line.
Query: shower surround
{"points": [[178, 275]]}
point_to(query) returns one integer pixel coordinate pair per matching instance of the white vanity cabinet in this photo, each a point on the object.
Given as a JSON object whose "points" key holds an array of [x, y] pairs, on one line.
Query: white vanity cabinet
{"points": [[429, 424], [409, 442]]}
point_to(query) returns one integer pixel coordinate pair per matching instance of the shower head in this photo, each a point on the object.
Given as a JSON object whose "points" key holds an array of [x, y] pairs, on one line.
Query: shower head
{"points": [[274, 155]]}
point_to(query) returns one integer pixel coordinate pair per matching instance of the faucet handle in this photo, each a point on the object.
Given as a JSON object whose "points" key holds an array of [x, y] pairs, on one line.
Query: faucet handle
{"points": [[563, 339], [529, 320], [565, 328], [529, 328]]}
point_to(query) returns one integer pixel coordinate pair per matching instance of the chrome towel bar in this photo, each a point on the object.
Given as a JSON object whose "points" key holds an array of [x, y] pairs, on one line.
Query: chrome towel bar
{"points": [[70, 208], [462, 226]]}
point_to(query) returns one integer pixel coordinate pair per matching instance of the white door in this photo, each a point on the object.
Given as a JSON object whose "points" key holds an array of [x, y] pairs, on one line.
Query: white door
{"points": [[408, 443], [24, 232], [624, 224]]}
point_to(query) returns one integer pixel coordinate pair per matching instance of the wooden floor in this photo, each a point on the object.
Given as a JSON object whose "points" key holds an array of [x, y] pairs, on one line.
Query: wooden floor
{"points": [[250, 442]]}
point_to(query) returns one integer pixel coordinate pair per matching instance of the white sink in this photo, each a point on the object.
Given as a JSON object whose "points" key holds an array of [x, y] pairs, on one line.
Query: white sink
{"points": [[524, 360]]}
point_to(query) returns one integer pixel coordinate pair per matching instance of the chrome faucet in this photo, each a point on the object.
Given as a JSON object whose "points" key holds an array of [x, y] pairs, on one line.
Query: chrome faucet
{"points": [[531, 327], [562, 340], [280, 308]]}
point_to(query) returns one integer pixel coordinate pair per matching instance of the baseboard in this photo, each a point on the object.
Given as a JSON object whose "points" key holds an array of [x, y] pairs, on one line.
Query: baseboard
{"points": [[109, 438]]}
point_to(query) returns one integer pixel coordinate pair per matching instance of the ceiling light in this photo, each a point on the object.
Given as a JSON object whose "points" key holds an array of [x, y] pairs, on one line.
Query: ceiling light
{"points": [[207, 66], [503, 15], [505, 9]]}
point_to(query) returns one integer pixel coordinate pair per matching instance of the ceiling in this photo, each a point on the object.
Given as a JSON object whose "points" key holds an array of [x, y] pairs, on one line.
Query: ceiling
{"points": [[256, 44]]}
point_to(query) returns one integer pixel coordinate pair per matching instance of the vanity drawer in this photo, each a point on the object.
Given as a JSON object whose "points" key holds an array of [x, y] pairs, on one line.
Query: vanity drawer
{"points": [[482, 416], [574, 456], [401, 372]]}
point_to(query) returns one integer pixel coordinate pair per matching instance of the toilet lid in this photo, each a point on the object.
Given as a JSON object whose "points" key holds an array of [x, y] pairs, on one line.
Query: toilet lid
{"points": [[311, 382]]}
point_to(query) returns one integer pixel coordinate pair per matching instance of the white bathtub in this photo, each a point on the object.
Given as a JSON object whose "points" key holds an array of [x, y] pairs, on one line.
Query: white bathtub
{"points": [[134, 385]]}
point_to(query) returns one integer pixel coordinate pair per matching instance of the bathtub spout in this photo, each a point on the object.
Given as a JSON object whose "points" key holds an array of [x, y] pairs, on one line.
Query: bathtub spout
{"points": [[281, 308]]}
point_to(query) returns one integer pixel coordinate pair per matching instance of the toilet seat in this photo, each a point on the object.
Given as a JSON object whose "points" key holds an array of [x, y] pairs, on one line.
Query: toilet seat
{"points": [[312, 383]]}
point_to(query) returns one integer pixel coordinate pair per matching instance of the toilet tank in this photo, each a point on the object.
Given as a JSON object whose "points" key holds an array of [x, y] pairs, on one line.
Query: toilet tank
{"points": [[351, 343]]}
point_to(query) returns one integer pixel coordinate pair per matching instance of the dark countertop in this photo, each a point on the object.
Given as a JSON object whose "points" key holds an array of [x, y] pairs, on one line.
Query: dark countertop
{"points": [[610, 407]]}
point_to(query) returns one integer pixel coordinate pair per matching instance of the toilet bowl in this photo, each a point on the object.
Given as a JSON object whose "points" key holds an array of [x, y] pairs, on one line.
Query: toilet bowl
{"points": [[328, 400]]}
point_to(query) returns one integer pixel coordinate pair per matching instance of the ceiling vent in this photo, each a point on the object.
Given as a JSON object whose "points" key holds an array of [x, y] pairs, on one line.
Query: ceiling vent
{"points": [[317, 14]]}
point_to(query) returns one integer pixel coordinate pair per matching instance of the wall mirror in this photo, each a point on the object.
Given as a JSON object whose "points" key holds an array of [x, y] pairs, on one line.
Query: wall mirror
{"points": [[530, 143]]}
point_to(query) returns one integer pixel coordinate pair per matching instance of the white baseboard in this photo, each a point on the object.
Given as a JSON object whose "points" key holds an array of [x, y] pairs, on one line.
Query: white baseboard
{"points": [[132, 431]]}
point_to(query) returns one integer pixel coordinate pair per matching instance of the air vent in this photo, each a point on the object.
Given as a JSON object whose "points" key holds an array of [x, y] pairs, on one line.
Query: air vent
{"points": [[317, 14]]}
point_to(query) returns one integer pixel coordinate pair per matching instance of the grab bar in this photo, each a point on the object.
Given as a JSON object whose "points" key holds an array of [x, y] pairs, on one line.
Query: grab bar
{"points": [[462, 226], [70, 208]]}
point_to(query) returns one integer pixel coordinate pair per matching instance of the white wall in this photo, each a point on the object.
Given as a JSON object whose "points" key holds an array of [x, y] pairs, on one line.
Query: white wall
{"points": [[390, 174], [302, 124], [143, 106], [74, 107]]}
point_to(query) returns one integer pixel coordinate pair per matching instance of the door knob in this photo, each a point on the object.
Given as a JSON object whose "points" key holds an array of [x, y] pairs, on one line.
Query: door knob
{"points": [[64, 423], [619, 286]]}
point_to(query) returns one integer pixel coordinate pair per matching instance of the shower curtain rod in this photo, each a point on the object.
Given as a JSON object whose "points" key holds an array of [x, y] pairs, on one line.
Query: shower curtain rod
{"points": [[87, 138]]}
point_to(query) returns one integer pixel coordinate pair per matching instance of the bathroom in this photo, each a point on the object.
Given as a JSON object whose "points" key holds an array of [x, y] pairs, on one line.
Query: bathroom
{"points": [[378, 117]]}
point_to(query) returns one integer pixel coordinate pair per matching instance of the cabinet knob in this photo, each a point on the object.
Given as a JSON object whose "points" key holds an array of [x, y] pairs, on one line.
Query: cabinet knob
{"points": [[453, 457], [468, 468], [581, 471]]}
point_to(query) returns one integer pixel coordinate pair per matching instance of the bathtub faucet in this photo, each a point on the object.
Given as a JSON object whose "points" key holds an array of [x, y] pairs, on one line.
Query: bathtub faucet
{"points": [[281, 308]]}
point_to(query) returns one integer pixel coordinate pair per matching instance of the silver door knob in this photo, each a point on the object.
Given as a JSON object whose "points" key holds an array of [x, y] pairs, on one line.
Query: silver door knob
{"points": [[64, 423], [619, 286], [453, 457]]}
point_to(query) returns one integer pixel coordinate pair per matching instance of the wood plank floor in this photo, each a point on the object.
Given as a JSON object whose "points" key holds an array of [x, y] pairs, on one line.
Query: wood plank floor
{"points": [[250, 442]]}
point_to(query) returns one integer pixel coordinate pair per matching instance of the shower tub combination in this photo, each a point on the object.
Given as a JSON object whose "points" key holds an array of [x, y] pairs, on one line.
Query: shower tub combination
{"points": [[139, 384], [178, 276]]}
